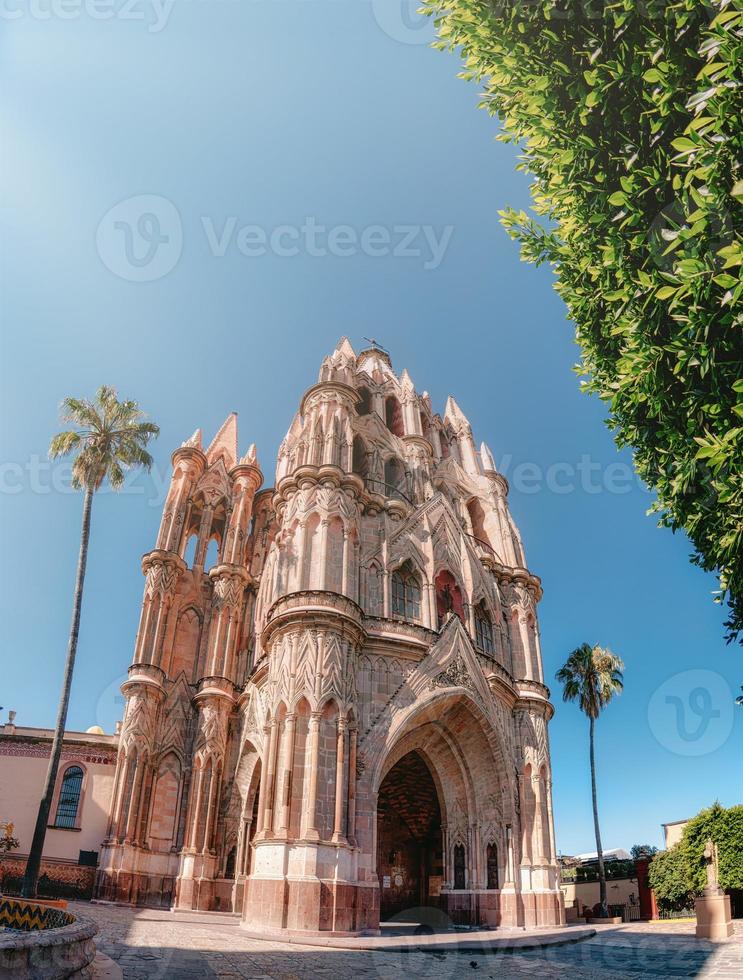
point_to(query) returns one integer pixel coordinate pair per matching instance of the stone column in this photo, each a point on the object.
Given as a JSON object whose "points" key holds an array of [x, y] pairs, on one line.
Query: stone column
{"points": [[526, 835], [205, 527], [118, 829], [431, 617], [340, 780], [469, 611], [510, 862], [270, 785], [214, 787], [303, 568], [263, 789], [227, 600], [242, 843], [352, 753], [324, 523], [288, 764], [140, 830], [188, 464], [477, 862], [131, 820], [310, 817], [550, 819], [525, 644], [196, 800], [346, 569], [538, 847], [162, 570], [247, 479]]}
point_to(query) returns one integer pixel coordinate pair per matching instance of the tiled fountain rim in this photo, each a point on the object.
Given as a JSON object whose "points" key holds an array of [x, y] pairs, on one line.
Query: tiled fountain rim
{"points": [[56, 953], [81, 929]]}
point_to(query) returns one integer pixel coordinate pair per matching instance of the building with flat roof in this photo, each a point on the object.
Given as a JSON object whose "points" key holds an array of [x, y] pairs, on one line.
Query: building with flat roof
{"points": [[80, 806]]}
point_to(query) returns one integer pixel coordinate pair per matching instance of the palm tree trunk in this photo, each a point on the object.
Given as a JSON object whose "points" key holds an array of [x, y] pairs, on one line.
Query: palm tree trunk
{"points": [[599, 852], [33, 864]]}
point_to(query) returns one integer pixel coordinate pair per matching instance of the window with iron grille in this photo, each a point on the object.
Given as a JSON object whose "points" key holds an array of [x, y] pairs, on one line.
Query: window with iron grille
{"points": [[69, 797]]}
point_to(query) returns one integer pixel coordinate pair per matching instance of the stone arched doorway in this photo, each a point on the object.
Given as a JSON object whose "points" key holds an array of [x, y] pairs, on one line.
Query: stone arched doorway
{"points": [[447, 750], [409, 838]]}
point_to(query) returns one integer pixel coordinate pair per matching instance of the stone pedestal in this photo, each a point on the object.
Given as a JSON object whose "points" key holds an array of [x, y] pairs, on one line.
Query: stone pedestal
{"points": [[714, 920]]}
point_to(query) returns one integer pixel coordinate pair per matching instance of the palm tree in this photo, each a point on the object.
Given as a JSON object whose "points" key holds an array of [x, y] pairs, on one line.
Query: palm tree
{"points": [[108, 438], [592, 676]]}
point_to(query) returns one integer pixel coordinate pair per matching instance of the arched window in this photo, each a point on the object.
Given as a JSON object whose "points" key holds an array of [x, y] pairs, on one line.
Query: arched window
{"points": [[483, 629], [229, 870], [364, 405], [394, 476], [360, 459], [492, 864], [406, 593], [477, 520], [448, 597], [212, 554], [69, 798], [190, 550], [393, 416]]}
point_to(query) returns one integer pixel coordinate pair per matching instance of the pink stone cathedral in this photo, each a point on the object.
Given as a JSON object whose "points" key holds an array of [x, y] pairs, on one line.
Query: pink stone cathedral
{"points": [[345, 716]]}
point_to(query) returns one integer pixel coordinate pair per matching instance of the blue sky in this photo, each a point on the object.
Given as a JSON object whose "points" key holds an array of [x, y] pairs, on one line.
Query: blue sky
{"points": [[271, 116]]}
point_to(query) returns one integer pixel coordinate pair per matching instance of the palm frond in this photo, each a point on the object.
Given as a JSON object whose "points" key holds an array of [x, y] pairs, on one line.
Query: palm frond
{"points": [[592, 676], [63, 443], [110, 437]]}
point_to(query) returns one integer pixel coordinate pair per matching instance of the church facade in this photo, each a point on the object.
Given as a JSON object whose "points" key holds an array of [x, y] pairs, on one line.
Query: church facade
{"points": [[336, 710]]}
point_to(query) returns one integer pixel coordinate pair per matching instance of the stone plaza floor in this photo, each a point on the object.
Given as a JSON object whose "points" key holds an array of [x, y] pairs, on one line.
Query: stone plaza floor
{"points": [[149, 944]]}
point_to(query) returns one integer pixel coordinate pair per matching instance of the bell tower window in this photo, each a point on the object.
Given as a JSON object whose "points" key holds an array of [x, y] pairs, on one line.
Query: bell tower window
{"points": [[393, 416]]}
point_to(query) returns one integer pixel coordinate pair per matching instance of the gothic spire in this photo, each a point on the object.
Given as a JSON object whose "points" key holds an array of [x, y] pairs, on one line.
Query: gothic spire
{"points": [[488, 463], [194, 441], [224, 442]]}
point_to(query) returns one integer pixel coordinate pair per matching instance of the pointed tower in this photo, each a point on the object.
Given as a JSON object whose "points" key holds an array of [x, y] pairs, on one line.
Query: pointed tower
{"points": [[462, 429], [183, 684], [309, 624]]}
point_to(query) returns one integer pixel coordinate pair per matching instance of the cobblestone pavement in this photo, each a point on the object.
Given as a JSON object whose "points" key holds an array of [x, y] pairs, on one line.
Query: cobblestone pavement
{"points": [[149, 944]]}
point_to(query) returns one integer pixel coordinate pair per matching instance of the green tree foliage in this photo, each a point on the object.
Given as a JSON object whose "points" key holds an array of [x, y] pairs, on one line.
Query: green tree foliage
{"points": [[668, 877], [725, 828], [643, 850], [677, 875], [628, 117]]}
